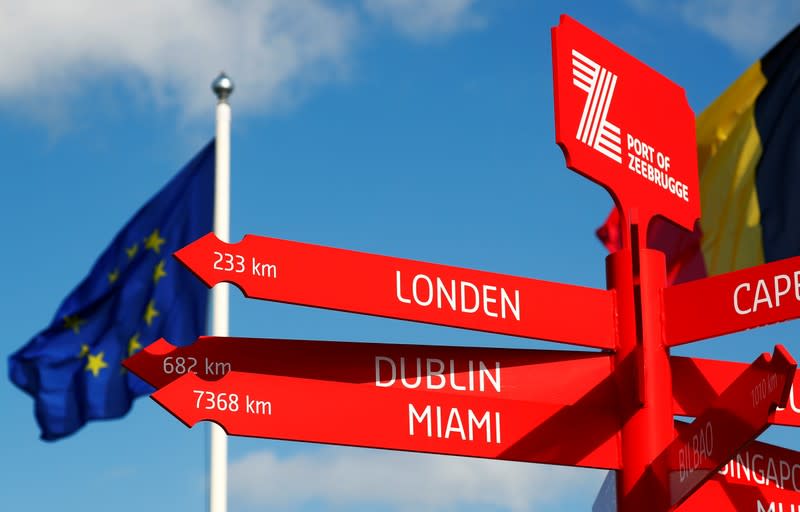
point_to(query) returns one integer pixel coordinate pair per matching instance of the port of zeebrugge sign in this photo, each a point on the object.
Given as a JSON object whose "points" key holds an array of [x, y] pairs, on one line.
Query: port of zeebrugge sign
{"points": [[625, 126]]}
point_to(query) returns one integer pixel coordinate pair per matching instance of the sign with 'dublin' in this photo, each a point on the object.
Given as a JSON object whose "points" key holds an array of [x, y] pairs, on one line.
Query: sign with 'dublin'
{"points": [[624, 125], [556, 407]]}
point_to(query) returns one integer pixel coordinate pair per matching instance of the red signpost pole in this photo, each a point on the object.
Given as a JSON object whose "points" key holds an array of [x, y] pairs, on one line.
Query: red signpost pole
{"points": [[643, 376], [630, 129], [657, 385]]}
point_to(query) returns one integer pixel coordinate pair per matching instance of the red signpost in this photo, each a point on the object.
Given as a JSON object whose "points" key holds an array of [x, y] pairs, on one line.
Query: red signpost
{"points": [[737, 417], [630, 129], [357, 282], [478, 402]]}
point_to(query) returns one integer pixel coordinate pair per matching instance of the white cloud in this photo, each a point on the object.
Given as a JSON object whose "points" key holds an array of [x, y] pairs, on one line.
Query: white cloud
{"points": [[423, 19], [346, 478], [173, 49], [168, 52], [749, 27]]}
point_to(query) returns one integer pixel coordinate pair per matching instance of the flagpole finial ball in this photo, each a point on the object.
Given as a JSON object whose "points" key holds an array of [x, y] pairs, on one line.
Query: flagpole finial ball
{"points": [[222, 86]]}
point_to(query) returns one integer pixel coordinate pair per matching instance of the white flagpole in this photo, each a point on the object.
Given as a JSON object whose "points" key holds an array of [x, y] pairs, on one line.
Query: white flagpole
{"points": [[218, 440]]}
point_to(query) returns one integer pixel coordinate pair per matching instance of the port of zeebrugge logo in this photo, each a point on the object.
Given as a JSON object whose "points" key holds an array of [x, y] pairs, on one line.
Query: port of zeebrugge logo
{"points": [[595, 129]]}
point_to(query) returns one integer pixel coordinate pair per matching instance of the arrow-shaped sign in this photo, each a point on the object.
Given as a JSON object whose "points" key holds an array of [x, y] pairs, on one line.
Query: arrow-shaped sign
{"points": [[544, 376], [696, 383], [762, 477], [536, 406], [737, 417], [357, 282], [732, 302]]}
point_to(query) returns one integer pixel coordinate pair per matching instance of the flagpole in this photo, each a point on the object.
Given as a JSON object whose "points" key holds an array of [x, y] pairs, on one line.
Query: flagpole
{"points": [[218, 440]]}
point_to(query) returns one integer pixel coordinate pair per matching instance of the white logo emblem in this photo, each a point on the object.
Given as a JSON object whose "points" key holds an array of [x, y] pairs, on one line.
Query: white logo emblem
{"points": [[595, 130]]}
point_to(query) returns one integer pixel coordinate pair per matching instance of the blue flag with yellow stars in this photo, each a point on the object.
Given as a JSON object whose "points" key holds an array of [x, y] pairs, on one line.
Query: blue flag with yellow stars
{"points": [[135, 293]]}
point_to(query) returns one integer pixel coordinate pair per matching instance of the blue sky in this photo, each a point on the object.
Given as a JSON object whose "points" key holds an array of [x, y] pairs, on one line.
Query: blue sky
{"points": [[412, 128]]}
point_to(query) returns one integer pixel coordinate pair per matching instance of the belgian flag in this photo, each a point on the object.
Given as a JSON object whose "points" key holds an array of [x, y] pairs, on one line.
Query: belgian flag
{"points": [[748, 145]]}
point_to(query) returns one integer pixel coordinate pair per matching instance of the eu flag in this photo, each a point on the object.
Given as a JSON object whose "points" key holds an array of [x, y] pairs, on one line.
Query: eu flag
{"points": [[134, 294]]}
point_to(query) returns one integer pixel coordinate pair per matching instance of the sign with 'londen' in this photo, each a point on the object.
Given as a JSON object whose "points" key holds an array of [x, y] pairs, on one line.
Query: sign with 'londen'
{"points": [[358, 282]]}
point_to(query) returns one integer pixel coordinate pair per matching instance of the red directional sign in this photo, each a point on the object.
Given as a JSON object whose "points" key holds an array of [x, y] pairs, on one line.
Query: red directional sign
{"points": [[625, 126], [324, 277], [732, 302], [546, 376], [762, 477], [556, 407], [737, 417], [696, 383]]}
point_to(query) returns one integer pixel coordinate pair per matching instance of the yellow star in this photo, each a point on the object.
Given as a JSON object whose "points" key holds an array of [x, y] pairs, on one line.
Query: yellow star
{"points": [[95, 363], [73, 322], [133, 344], [159, 272], [132, 250], [151, 312], [84, 350], [113, 276], [154, 241]]}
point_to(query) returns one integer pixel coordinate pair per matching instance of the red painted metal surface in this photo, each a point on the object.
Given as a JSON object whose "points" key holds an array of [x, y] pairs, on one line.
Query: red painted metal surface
{"points": [[563, 378], [696, 383], [762, 477], [733, 302], [324, 277], [625, 126], [642, 366], [536, 406], [736, 418]]}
